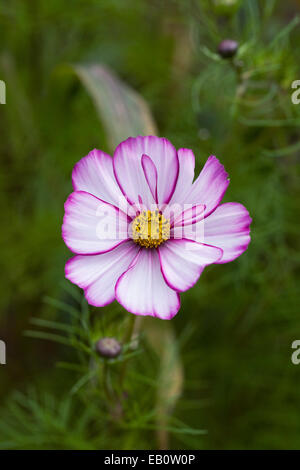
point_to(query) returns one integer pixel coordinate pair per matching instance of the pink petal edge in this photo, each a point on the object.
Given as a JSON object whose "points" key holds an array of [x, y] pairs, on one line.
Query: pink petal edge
{"points": [[70, 201], [198, 269], [130, 175], [153, 312]]}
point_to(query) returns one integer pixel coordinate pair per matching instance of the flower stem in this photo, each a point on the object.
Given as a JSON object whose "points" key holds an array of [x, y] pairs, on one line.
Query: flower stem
{"points": [[130, 329], [106, 384], [127, 338]]}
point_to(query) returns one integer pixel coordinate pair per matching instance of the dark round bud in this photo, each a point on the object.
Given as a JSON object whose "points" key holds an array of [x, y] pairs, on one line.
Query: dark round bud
{"points": [[108, 347], [228, 48]]}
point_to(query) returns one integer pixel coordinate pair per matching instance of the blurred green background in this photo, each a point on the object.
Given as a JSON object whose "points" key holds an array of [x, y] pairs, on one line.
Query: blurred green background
{"points": [[224, 379]]}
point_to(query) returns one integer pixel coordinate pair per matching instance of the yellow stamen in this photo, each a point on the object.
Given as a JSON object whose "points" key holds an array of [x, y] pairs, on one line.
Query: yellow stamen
{"points": [[150, 229]]}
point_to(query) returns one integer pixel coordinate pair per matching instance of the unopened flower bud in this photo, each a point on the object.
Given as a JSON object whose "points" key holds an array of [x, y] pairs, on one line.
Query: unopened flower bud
{"points": [[228, 48], [108, 347]]}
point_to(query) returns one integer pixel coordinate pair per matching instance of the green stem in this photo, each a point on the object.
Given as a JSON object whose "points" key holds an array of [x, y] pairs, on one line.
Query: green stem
{"points": [[127, 339], [130, 328], [106, 384], [241, 84]]}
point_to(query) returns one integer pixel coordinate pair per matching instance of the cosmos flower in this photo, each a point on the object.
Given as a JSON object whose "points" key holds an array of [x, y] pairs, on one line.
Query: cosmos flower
{"points": [[143, 230]]}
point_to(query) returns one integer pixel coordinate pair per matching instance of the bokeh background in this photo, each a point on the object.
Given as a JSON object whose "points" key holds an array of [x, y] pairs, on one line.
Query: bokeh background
{"points": [[85, 75]]}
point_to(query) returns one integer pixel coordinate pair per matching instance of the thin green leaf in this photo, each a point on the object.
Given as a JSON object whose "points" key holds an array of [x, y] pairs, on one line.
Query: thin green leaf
{"points": [[122, 110]]}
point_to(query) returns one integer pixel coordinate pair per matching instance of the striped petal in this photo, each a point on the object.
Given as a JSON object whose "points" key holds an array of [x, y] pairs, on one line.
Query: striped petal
{"points": [[98, 274], [182, 262], [94, 174], [228, 227], [142, 289], [129, 171], [185, 177], [210, 186], [92, 226]]}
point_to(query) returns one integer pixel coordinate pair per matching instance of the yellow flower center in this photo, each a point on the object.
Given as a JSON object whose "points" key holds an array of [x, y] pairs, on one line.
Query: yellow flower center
{"points": [[150, 229]]}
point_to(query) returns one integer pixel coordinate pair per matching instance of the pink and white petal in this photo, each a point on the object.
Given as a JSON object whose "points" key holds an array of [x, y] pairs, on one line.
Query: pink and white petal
{"points": [[210, 186], [186, 174], [190, 215], [94, 174], [182, 262], [194, 231], [150, 172], [98, 274], [129, 171], [228, 227], [189, 224], [142, 289], [92, 226]]}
